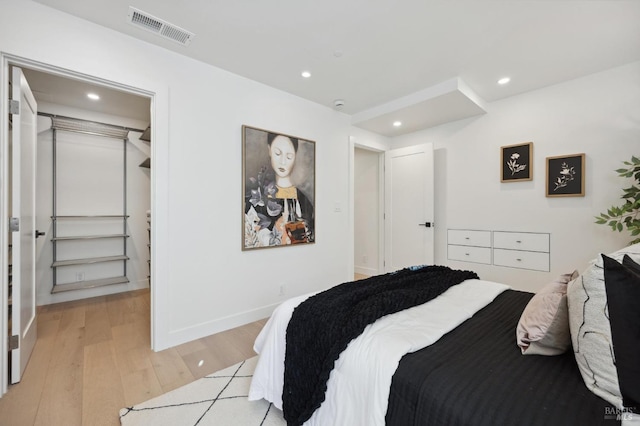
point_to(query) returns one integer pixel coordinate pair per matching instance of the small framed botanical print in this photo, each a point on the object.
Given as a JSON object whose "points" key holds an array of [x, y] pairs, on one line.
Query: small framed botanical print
{"points": [[516, 162], [565, 176]]}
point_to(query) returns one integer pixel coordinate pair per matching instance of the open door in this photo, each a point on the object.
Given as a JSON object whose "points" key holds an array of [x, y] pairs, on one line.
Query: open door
{"points": [[23, 147], [409, 188]]}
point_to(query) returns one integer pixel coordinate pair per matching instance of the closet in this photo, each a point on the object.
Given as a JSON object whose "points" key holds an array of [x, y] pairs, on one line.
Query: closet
{"points": [[89, 239], [89, 199]]}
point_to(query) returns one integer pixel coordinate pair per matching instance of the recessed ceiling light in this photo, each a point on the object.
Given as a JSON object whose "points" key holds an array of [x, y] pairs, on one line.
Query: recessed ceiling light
{"points": [[306, 74], [93, 96], [397, 123], [504, 80]]}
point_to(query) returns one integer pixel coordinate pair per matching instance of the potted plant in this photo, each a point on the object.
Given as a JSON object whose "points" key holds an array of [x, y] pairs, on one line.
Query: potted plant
{"points": [[628, 214]]}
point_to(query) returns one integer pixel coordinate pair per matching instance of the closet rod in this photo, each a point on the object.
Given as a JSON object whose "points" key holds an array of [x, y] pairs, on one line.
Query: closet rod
{"points": [[90, 123]]}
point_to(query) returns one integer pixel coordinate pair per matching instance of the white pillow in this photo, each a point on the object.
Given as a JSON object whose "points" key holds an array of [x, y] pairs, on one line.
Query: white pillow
{"points": [[590, 328]]}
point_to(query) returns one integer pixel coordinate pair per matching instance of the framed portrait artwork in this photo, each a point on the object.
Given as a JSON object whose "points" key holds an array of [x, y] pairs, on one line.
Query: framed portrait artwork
{"points": [[516, 162], [565, 176], [278, 189]]}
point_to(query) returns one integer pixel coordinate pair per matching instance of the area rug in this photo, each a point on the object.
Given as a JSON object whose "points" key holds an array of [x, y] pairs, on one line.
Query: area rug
{"points": [[219, 399]]}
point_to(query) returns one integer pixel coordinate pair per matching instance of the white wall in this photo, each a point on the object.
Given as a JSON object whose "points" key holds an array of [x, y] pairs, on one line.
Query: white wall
{"points": [[598, 115], [203, 282], [366, 211], [89, 180]]}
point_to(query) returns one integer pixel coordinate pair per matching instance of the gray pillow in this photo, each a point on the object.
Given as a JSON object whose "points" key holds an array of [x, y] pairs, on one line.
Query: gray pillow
{"points": [[590, 328], [543, 328]]}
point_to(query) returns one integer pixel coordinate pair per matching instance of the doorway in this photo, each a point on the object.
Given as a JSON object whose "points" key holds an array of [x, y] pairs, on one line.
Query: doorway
{"points": [[368, 207], [44, 78], [405, 207]]}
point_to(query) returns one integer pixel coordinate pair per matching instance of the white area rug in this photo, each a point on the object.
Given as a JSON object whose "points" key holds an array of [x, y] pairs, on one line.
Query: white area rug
{"points": [[219, 399]]}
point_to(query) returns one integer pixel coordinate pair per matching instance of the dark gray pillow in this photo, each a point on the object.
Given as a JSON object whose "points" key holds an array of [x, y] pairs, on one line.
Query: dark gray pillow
{"points": [[623, 294], [631, 264]]}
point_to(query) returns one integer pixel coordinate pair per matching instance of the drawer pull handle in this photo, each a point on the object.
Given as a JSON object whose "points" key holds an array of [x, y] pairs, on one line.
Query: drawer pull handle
{"points": [[466, 254], [518, 241], [466, 238], [519, 260]]}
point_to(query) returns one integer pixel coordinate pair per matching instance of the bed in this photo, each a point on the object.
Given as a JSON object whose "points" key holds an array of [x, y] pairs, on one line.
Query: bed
{"points": [[476, 375], [449, 361]]}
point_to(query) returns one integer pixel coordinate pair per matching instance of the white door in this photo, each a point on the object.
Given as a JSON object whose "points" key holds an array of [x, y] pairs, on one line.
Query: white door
{"points": [[23, 146], [409, 207]]}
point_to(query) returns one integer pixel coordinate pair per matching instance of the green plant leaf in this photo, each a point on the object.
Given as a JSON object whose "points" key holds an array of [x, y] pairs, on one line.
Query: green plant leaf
{"points": [[626, 215]]}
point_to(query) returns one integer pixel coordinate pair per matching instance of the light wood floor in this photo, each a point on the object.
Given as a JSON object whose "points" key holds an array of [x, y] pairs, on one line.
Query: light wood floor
{"points": [[93, 357]]}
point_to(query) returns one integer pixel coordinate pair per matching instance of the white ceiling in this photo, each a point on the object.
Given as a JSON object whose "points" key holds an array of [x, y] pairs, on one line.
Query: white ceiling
{"points": [[73, 93], [390, 59]]}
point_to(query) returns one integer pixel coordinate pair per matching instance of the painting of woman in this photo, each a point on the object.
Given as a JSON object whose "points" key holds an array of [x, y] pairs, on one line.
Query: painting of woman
{"points": [[279, 186]]}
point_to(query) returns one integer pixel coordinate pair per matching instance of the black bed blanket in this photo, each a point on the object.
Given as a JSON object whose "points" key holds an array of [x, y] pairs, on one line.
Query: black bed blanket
{"points": [[476, 375], [322, 326]]}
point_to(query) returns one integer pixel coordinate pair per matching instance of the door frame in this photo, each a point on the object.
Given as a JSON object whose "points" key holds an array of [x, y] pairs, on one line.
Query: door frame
{"points": [[159, 104], [353, 144]]}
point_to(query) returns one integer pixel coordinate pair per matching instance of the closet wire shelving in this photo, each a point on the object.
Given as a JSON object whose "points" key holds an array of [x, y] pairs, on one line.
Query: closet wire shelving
{"points": [[61, 123]]}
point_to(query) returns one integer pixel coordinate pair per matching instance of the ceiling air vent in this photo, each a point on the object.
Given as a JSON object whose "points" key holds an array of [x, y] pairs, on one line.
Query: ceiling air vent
{"points": [[155, 25]]}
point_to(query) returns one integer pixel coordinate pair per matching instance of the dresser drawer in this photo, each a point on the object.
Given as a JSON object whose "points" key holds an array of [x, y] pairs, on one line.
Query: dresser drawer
{"points": [[469, 254], [464, 237], [533, 260], [528, 241]]}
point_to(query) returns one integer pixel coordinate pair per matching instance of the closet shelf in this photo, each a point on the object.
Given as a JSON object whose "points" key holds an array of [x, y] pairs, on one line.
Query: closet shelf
{"points": [[79, 285], [89, 237], [88, 260]]}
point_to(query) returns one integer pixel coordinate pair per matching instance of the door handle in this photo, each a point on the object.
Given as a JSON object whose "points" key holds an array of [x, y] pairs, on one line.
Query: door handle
{"points": [[39, 234], [426, 224]]}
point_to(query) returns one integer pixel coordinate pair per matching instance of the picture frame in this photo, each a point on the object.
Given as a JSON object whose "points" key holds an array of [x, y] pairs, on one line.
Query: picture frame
{"points": [[516, 162], [565, 176], [278, 189]]}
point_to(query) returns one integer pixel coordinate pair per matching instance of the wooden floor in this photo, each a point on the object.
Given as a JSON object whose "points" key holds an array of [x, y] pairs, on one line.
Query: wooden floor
{"points": [[93, 357]]}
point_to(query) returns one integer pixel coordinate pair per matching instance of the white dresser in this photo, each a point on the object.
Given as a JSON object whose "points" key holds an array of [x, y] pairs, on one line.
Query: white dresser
{"points": [[523, 250]]}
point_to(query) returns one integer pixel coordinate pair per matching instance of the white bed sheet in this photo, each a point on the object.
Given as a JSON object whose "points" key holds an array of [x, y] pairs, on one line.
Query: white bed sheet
{"points": [[358, 387]]}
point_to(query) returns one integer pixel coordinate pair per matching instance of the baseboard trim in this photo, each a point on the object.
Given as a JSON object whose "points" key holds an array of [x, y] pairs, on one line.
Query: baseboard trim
{"points": [[187, 334], [365, 271]]}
